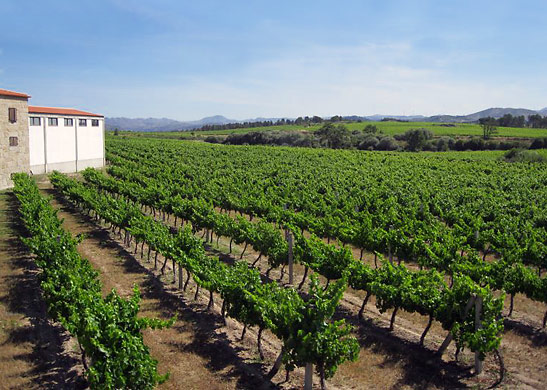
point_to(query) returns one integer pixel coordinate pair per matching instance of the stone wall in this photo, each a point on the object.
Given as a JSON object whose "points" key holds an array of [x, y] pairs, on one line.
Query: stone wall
{"points": [[13, 158]]}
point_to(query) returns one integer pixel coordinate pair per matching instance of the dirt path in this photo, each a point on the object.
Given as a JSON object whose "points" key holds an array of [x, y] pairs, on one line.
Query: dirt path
{"points": [[34, 352]]}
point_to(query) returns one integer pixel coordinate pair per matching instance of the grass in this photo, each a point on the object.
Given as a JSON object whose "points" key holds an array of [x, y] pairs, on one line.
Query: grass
{"points": [[389, 128]]}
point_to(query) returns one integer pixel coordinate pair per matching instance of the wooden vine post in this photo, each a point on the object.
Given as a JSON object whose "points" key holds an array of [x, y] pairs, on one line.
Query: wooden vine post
{"points": [[308, 377], [478, 325], [289, 238], [477, 301], [390, 255], [180, 277], [449, 337]]}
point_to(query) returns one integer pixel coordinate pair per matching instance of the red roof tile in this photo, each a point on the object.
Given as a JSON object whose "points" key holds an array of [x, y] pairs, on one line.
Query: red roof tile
{"points": [[5, 92], [60, 111]]}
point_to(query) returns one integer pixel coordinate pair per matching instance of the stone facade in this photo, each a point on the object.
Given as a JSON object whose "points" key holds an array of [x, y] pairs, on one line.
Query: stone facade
{"points": [[13, 158]]}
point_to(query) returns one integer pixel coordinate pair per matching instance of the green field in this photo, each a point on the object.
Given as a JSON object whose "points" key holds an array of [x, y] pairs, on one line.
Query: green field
{"points": [[389, 128]]}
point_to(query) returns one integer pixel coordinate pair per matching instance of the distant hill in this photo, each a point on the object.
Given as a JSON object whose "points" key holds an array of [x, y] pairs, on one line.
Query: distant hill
{"points": [[490, 112], [414, 118], [165, 124]]}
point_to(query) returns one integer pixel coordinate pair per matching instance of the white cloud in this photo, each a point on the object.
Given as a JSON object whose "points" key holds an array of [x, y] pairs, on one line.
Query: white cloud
{"points": [[363, 80], [320, 80]]}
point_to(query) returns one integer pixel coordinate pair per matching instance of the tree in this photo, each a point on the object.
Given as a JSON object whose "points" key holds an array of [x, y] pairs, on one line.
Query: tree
{"points": [[335, 136], [371, 129], [417, 138], [488, 128], [116, 131]]}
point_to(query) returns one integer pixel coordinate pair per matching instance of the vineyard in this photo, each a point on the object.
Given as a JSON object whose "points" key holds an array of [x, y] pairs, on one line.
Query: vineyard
{"points": [[311, 248]]}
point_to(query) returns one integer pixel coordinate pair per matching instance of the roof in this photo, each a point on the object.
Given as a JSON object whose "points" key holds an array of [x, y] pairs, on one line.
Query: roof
{"points": [[5, 92], [60, 111]]}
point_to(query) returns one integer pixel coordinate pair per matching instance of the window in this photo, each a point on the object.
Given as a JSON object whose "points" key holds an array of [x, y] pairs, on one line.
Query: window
{"points": [[35, 121], [94, 122], [13, 141], [82, 122], [52, 122], [69, 122], [12, 113]]}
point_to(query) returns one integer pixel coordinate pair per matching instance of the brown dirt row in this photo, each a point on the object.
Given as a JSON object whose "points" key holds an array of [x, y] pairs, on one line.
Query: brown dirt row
{"points": [[198, 351], [35, 353]]}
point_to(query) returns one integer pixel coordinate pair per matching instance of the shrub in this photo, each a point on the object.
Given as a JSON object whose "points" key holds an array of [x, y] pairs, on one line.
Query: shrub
{"points": [[492, 145], [474, 144], [506, 145], [387, 143], [213, 140], [369, 143], [522, 155], [371, 129], [430, 146], [417, 138], [539, 143], [444, 144]]}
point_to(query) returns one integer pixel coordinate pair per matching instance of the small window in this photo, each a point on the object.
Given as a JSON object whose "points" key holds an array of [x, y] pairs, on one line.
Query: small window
{"points": [[52, 122], [35, 121], [13, 141], [82, 122], [12, 113], [69, 122], [94, 122]]}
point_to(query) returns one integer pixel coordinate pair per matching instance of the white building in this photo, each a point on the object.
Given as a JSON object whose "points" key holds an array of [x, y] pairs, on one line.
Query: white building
{"points": [[42, 139], [64, 139]]}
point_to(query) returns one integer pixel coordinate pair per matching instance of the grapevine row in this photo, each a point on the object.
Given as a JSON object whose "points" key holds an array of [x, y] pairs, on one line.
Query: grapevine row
{"points": [[510, 224], [107, 329], [264, 238], [303, 325], [395, 287]]}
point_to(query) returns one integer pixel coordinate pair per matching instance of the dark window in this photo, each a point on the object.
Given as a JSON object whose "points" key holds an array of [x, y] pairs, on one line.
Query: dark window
{"points": [[94, 122], [69, 122], [82, 122], [52, 122], [13, 141], [35, 121], [12, 113]]}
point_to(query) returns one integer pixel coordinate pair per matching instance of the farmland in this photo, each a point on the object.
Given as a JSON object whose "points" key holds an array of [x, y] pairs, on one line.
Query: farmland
{"points": [[398, 250], [387, 127]]}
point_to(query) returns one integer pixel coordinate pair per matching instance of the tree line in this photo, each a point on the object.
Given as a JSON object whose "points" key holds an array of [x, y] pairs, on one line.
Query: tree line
{"points": [[535, 121], [300, 121], [338, 136]]}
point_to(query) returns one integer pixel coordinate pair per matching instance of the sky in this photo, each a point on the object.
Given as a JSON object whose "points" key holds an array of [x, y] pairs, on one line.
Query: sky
{"points": [[245, 59]]}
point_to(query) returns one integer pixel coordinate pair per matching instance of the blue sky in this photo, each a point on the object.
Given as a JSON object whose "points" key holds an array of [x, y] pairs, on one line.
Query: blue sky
{"points": [[244, 59]]}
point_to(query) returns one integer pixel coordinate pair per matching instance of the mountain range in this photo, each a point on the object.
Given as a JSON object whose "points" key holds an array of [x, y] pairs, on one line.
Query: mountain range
{"points": [[166, 124], [163, 124]]}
